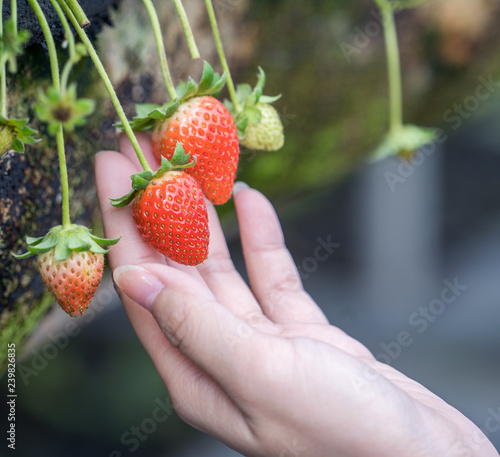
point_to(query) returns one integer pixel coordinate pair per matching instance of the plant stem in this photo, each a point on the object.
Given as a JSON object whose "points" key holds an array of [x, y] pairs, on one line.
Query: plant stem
{"points": [[54, 65], [188, 32], [153, 16], [3, 75], [63, 170], [393, 64], [49, 39], [71, 47], [222, 56], [107, 83], [13, 14], [76, 9]]}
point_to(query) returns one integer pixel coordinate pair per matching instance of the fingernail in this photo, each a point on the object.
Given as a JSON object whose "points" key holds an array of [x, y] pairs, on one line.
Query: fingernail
{"points": [[138, 284], [239, 186]]}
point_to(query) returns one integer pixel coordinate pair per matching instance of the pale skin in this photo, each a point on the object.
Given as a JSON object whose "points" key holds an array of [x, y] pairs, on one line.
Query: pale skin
{"points": [[259, 367]]}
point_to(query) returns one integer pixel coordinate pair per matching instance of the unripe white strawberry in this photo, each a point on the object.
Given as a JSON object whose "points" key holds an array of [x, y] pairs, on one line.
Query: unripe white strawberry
{"points": [[268, 134]]}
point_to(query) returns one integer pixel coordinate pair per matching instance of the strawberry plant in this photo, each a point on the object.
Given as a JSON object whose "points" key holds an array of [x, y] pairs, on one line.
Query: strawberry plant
{"points": [[197, 120], [259, 124], [70, 259], [401, 140]]}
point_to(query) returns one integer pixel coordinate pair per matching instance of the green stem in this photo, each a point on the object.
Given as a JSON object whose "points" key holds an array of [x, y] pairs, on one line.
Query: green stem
{"points": [[393, 64], [3, 75], [188, 32], [153, 16], [3, 90], [107, 83], [66, 221], [222, 56], [71, 47], [54, 65], [13, 15], [76, 9]]}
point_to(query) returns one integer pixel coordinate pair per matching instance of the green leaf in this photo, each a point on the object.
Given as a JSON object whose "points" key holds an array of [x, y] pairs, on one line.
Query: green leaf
{"points": [[123, 201], [268, 99], [62, 251], [143, 109], [104, 241], [207, 78], [17, 145], [254, 115], [142, 124], [85, 106], [188, 90], [141, 180], [54, 128], [179, 157], [241, 126], [34, 241], [22, 256], [76, 242]]}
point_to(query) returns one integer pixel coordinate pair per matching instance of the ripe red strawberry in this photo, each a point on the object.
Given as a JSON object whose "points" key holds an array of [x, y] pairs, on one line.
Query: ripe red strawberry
{"points": [[171, 216], [74, 281], [169, 209], [207, 131]]}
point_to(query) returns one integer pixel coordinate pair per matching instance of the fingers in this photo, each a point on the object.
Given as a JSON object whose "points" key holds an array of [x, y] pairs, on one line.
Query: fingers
{"points": [[222, 278], [272, 273], [203, 330]]}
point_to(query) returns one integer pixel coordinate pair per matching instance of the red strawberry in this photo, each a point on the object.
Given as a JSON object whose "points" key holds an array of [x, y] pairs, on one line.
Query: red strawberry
{"points": [[207, 131], [171, 216], [73, 281]]}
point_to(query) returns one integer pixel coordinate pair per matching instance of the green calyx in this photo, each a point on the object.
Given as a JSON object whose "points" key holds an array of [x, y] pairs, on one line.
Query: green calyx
{"points": [[14, 134], [403, 142], [148, 114], [65, 240], [180, 161], [12, 44], [248, 98], [56, 108]]}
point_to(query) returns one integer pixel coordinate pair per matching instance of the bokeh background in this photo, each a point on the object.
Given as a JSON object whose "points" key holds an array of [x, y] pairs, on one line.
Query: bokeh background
{"points": [[402, 232]]}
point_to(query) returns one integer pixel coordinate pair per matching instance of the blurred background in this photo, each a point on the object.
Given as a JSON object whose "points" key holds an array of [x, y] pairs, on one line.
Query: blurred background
{"points": [[415, 247]]}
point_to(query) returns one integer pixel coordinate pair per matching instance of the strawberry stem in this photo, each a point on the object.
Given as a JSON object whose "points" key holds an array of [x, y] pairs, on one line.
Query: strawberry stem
{"points": [[66, 220], [222, 56], [153, 16], [76, 9], [54, 65], [13, 15], [181, 12], [393, 64], [107, 83], [3, 76], [71, 47]]}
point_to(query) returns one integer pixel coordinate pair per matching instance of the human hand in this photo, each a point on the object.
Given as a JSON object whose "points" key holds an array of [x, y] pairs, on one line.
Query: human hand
{"points": [[260, 368]]}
